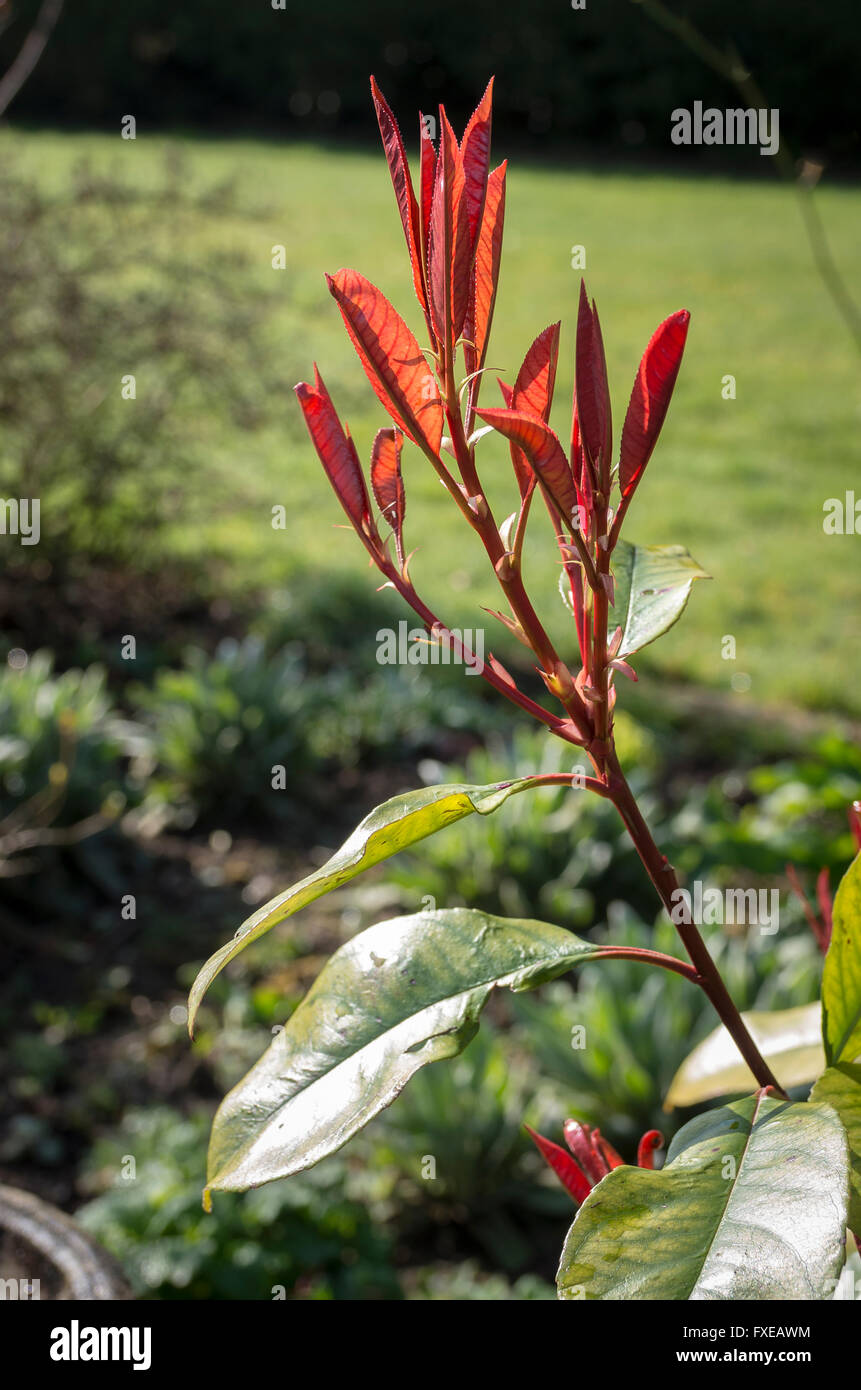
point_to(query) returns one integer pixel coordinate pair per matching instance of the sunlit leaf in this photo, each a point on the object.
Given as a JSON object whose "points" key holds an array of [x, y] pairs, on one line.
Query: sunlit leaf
{"points": [[393, 361], [790, 1040], [485, 272], [394, 998], [335, 448], [840, 1087], [387, 482], [650, 398], [389, 828], [652, 587], [593, 393], [399, 169], [751, 1205], [543, 450], [841, 977]]}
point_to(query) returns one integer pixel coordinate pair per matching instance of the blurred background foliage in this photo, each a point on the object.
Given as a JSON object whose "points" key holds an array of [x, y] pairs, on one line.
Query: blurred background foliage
{"points": [[138, 820]]}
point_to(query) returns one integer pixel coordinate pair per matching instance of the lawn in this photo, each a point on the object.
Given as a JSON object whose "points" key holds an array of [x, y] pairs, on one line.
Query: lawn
{"points": [[741, 482]]}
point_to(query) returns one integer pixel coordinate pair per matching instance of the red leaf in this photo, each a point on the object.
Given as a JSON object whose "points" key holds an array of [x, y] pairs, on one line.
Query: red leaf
{"points": [[523, 470], [581, 471], [387, 482], [581, 1141], [533, 389], [428, 172], [650, 397], [650, 1141], [336, 449], [609, 1154], [391, 357], [563, 1166], [441, 232], [855, 821], [465, 205], [400, 171], [462, 250], [475, 149], [485, 272], [593, 395], [533, 393], [543, 451]]}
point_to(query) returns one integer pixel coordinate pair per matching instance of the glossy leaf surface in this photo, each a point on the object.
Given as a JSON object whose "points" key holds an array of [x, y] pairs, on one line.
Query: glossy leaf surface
{"points": [[841, 977], [392, 826], [751, 1205], [396, 997], [393, 361], [790, 1040], [840, 1087]]}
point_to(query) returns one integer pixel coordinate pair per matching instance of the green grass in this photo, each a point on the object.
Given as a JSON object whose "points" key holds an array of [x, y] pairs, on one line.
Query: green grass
{"points": [[742, 483]]}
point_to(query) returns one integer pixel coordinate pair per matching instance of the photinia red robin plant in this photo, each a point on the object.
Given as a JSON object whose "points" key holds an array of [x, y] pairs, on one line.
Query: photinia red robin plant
{"points": [[755, 1196]]}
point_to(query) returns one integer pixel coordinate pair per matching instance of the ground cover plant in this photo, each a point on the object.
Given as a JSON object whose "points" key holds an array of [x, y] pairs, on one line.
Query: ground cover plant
{"points": [[756, 1196]]}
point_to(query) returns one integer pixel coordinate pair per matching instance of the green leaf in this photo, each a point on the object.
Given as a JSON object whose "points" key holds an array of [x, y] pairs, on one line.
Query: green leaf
{"points": [[390, 827], [395, 997], [841, 978], [751, 1205], [841, 1087], [789, 1039], [652, 587]]}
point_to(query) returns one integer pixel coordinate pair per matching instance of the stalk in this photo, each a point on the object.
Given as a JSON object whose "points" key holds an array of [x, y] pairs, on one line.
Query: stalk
{"points": [[665, 880]]}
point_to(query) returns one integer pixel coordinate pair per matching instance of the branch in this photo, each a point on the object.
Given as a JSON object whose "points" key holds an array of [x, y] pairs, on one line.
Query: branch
{"points": [[729, 64], [30, 52]]}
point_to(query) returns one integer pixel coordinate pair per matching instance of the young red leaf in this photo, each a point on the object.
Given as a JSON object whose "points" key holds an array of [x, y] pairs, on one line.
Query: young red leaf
{"points": [[562, 1164], [428, 172], [533, 393], [485, 272], [581, 1141], [440, 246], [542, 449], [475, 150], [336, 450], [470, 164], [400, 171], [523, 470], [582, 473], [593, 394], [855, 821], [650, 397], [609, 1154], [391, 357], [462, 249], [650, 1141], [533, 389], [387, 482]]}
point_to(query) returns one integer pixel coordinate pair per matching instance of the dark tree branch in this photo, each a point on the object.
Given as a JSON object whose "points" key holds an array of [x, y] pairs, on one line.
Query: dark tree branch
{"points": [[29, 53]]}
